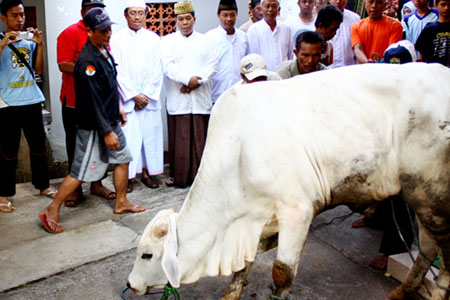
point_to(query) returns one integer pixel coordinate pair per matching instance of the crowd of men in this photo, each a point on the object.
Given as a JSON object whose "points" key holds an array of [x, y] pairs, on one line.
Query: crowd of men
{"points": [[112, 83]]}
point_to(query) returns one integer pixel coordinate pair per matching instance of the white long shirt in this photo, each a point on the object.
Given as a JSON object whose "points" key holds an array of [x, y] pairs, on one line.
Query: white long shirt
{"points": [[296, 24], [342, 42], [182, 58], [230, 49], [274, 46], [138, 58]]}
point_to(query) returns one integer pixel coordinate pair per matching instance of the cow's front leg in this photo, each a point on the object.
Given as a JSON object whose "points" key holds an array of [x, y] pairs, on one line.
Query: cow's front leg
{"points": [[293, 229], [236, 286], [441, 291], [419, 269]]}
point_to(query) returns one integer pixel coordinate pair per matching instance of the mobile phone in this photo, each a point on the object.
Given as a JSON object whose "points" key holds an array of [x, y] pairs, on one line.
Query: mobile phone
{"points": [[24, 35]]}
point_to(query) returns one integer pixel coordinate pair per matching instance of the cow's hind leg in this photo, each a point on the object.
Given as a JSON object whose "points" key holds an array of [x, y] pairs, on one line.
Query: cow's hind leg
{"points": [[236, 286], [292, 235], [419, 269]]}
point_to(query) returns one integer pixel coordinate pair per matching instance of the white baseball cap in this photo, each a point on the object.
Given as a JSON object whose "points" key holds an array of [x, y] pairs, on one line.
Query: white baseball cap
{"points": [[136, 3], [253, 66]]}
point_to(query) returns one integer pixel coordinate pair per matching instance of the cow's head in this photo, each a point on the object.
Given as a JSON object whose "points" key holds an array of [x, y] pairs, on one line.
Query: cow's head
{"points": [[156, 261]]}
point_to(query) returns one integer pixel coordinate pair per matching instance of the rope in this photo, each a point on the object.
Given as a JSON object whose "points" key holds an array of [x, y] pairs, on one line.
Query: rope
{"points": [[166, 293], [169, 291], [401, 235], [344, 217]]}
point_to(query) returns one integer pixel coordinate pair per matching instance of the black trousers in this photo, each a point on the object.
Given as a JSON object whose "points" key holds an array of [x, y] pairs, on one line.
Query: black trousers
{"points": [[13, 120]]}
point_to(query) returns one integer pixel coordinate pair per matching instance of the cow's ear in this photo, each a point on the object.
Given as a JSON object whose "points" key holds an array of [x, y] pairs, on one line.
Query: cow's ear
{"points": [[169, 260]]}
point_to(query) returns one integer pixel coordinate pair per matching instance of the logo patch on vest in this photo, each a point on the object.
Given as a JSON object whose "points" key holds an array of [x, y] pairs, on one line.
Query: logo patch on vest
{"points": [[90, 70]]}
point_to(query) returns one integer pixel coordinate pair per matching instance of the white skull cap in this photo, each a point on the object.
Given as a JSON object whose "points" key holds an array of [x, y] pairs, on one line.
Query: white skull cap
{"points": [[136, 3]]}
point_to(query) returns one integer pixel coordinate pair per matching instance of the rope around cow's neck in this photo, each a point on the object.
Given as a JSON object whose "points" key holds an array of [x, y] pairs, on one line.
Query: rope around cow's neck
{"points": [[167, 292]]}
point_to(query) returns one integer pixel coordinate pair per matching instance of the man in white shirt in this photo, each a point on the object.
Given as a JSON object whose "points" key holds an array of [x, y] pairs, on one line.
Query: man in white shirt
{"points": [[269, 38], [305, 19], [136, 51], [342, 42], [189, 62], [232, 46], [254, 8]]}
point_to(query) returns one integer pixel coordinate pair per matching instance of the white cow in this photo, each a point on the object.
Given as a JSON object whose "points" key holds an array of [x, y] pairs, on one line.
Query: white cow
{"points": [[278, 153]]}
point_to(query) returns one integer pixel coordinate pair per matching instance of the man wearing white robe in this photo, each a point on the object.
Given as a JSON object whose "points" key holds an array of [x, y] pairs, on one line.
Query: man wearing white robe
{"points": [[343, 54], [189, 62], [232, 46], [270, 38], [136, 51]]}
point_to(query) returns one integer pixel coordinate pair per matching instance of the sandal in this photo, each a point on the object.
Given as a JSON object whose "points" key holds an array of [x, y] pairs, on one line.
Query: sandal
{"points": [[170, 181], [7, 208], [45, 222], [104, 192], [132, 209], [74, 199], [48, 192]]}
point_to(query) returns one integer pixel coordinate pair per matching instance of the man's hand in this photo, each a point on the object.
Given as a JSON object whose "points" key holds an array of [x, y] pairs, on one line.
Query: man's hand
{"points": [[10, 37], [112, 141], [37, 35], [184, 89], [141, 101], [194, 82]]}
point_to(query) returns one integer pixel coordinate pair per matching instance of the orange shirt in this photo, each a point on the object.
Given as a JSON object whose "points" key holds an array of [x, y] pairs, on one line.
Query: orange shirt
{"points": [[376, 36]]}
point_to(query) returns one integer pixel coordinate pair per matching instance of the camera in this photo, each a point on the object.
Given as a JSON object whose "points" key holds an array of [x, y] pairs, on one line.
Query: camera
{"points": [[24, 35]]}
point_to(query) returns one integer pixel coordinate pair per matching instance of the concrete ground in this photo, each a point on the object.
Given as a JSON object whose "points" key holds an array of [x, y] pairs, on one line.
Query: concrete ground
{"points": [[96, 252]]}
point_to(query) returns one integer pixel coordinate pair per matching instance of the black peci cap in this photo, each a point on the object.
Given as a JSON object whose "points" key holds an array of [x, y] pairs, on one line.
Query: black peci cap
{"points": [[97, 18]]}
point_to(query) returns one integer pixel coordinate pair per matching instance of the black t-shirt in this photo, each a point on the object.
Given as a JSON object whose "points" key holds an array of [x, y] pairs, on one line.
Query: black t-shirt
{"points": [[434, 43]]}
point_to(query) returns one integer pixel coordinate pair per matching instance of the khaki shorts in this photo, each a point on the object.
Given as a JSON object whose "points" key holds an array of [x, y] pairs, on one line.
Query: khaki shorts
{"points": [[92, 157]]}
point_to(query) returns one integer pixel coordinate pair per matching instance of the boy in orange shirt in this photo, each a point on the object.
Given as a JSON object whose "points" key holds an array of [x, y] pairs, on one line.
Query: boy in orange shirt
{"points": [[372, 35]]}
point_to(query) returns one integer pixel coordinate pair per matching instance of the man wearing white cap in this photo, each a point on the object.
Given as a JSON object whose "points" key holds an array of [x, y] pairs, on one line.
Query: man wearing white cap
{"points": [[189, 62], [136, 51], [232, 46], [254, 69]]}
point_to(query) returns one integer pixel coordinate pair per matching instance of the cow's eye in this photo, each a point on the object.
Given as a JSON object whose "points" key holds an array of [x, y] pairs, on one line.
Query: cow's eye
{"points": [[147, 256]]}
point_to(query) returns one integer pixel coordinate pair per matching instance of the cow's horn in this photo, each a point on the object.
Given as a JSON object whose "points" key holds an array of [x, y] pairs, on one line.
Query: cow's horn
{"points": [[161, 231]]}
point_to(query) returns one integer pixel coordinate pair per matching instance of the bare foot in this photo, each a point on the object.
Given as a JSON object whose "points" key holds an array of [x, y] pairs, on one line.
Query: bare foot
{"points": [[379, 262]]}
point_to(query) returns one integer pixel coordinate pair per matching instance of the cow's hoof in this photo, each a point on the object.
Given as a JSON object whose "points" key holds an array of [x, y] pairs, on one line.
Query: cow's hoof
{"points": [[398, 294]]}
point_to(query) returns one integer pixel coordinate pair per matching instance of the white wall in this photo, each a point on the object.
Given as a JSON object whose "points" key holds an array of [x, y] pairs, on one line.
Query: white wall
{"points": [[59, 14]]}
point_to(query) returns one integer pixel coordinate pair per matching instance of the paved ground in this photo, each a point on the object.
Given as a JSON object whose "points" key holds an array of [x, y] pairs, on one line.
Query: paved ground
{"points": [[93, 257]]}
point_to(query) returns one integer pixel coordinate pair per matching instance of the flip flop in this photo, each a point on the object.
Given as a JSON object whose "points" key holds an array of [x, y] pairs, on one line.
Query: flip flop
{"points": [[104, 192], [132, 209], [50, 193], [45, 222], [7, 208], [170, 182]]}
